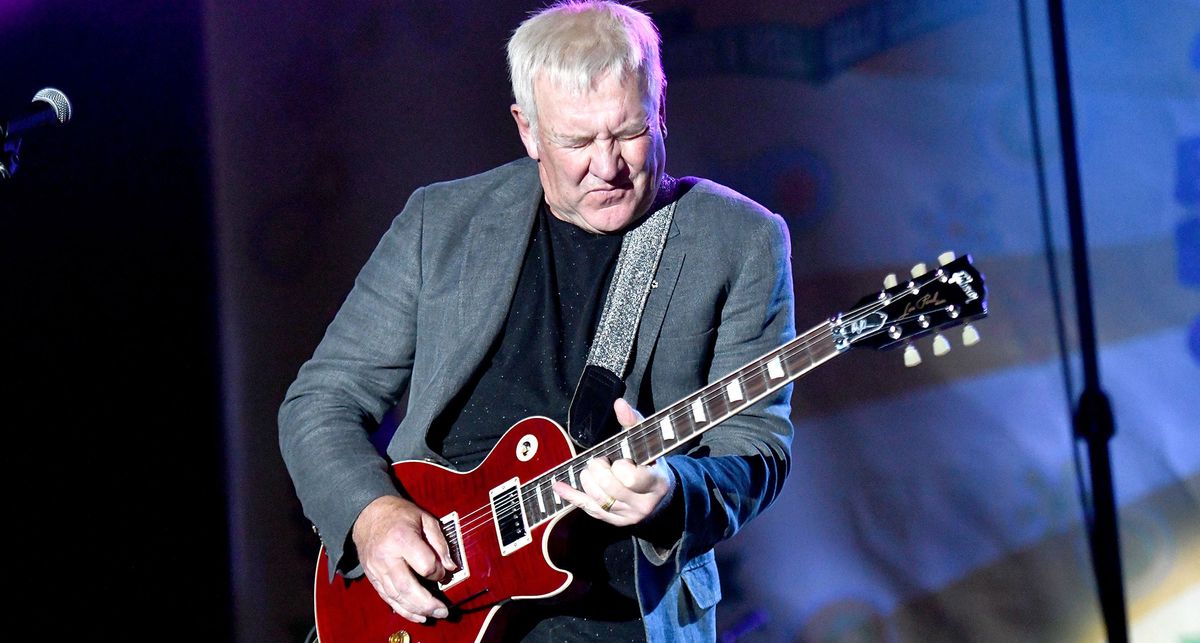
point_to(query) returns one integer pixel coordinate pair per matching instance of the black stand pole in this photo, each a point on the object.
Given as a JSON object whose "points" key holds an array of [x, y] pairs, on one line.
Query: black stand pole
{"points": [[8, 156], [1093, 416]]}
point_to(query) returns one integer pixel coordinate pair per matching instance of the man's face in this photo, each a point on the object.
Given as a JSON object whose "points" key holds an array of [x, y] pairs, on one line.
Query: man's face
{"points": [[600, 154]]}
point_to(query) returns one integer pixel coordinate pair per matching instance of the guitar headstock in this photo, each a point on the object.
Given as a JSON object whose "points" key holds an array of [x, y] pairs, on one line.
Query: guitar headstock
{"points": [[947, 296]]}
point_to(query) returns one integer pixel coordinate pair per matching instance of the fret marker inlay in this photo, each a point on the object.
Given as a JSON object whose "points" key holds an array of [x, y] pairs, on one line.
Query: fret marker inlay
{"points": [[753, 381], [668, 431], [775, 369], [734, 391]]}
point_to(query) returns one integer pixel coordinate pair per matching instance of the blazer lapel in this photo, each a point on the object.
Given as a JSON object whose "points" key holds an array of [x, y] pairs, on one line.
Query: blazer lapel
{"points": [[497, 239]]}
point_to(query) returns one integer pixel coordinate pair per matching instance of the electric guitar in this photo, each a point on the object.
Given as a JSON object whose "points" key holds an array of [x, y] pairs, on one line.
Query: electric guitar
{"points": [[497, 518]]}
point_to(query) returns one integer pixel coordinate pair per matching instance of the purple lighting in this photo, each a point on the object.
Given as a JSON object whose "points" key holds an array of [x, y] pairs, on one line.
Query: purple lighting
{"points": [[10, 8]]}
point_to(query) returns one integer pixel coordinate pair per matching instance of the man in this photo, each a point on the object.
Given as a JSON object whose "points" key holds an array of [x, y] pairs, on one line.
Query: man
{"points": [[482, 300]]}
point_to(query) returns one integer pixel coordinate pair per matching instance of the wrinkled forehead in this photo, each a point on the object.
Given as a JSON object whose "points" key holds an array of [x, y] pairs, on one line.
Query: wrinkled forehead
{"points": [[577, 85]]}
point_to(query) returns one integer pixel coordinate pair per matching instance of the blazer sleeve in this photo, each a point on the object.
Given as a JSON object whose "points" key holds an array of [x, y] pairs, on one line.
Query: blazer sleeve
{"points": [[356, 374], [738, 468]]}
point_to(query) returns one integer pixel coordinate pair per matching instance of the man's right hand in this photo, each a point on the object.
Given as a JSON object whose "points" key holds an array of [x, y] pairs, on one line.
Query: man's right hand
{"points": [[397, 543]]}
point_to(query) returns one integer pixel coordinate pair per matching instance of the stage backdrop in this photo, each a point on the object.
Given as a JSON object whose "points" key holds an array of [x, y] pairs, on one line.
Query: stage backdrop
{"points": [[937, 503]]}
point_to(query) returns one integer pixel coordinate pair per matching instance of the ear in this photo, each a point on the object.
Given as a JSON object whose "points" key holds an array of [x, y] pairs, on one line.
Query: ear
{"points": [[526, 132], [662, 115]]}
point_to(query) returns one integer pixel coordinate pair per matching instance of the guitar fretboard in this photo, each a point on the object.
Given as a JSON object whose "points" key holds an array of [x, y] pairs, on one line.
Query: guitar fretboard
{"points": [[675, 425]]}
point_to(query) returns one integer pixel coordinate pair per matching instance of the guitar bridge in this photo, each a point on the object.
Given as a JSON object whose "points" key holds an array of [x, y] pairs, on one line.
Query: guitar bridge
{"points": [[453, 534]]}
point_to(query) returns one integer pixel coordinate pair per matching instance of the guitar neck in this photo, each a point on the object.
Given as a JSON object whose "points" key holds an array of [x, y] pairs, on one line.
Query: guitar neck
{"points": [[677, 424]]}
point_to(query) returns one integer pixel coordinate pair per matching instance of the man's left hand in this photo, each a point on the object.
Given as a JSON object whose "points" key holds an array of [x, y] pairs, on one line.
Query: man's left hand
{"points": [[621, 493]]}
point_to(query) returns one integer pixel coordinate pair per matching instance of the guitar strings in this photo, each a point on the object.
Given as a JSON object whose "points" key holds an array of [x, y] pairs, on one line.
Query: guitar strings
{"points": [[804, 343], [471, 521], [479, 517], [611, 447]]}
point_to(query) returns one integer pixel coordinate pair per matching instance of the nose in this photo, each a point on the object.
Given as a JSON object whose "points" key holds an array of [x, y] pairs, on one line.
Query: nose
{"points": [[607, 162]]}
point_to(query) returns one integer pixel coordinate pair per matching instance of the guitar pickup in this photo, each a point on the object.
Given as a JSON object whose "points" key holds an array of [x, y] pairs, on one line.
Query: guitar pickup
{"points": [[453, 533], [508, 515]]}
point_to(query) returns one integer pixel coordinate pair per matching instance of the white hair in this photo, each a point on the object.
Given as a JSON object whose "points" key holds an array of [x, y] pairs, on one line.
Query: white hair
{"points": [[577, 44]]}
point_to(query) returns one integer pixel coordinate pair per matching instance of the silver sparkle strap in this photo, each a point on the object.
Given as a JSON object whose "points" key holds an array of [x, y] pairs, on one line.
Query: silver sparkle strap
{"points": [[631, 283]]}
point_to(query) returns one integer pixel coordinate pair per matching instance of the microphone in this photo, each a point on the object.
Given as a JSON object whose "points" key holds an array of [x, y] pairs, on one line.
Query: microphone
{"points": [[49, 107]]}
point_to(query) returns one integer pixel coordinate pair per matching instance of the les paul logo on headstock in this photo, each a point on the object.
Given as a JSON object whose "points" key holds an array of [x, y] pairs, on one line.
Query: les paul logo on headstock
{"points": [[931, 300]]}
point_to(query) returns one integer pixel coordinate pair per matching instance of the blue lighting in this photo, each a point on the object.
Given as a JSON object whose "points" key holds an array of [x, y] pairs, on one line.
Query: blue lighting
{"points": [[1187, 171], [1187, 238]]}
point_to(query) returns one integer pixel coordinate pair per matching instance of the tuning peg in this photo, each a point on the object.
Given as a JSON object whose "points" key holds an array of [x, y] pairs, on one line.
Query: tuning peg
{"points": [[890, 280], [911, 356], [941, 345], [918, 270], [970, 335], [945, 258]]}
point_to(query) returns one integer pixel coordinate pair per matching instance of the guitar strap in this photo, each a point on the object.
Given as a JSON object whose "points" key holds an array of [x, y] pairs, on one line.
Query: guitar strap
{"points": [[602, 381]]}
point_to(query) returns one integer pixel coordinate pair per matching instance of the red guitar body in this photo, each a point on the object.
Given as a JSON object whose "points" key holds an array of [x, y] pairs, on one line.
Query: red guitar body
{"points": [[350, 611], [486, 511]]}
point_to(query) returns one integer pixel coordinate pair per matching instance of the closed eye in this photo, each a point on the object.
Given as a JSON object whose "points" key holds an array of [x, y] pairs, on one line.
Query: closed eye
{"points": [[634, 135], [571, 143]]}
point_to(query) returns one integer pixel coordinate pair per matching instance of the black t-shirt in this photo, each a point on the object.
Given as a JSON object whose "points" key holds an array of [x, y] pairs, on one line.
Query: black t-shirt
{"points": [[532, 369]]}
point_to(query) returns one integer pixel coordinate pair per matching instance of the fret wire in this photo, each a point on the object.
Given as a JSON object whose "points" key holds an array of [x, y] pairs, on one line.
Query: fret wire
{"points": [[752, 377], [616, 453], [790, 363], [685, 427], [821, 332], [654, 441], [754, 382], [718, 406], [548, 497], [640, 450], [532, 509], [528, 504], [681, 412]]}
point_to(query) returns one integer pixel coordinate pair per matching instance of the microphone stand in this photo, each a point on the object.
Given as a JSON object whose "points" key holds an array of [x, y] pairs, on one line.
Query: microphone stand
{"points": [[1093, 421], [9, 157]]}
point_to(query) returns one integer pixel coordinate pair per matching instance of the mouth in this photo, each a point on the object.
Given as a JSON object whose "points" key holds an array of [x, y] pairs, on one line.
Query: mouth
{"points": [[607, 197], [610, 190]]}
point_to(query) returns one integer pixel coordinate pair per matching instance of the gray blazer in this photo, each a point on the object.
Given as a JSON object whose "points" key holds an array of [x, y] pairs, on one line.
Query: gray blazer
{"points": [[432, 298]]}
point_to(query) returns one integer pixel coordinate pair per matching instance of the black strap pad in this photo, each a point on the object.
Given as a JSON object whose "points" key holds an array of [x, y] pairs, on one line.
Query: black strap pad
{"points": [[591, 418]]}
